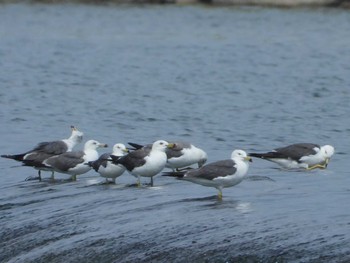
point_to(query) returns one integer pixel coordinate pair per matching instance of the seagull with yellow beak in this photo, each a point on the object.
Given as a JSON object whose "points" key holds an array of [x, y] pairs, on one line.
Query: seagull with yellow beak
{"points": [[146, 161], [219, 174]]}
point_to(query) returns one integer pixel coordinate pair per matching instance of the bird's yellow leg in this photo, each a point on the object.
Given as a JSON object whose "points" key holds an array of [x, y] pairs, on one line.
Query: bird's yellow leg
{"points": [[52, 176], [138, 182], [310, 168], [220, 195], [321, 166]]}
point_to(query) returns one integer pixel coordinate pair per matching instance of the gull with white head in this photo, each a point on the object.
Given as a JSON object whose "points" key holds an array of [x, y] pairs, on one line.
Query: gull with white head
{"points": [[146, 161], [181, 155], [75, 163], [219, 174], [44, 150], [105, 167], [299, 156]]}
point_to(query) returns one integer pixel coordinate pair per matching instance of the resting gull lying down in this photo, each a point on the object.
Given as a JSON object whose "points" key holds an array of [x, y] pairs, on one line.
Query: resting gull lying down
{"points": [[185, 154], [104, 166], [146, 161], [75, 163], [300, 155], [182, 155], [219, 174], [44, 150]]}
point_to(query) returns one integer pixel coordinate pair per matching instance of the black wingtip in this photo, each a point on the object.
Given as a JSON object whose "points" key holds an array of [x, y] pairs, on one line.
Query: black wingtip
{"points": [[174, 174], [135, 145], [257, 155], [17, 157], [114, 159]]}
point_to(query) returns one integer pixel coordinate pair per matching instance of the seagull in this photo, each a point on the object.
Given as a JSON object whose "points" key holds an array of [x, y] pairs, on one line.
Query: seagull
{"points": [[300, 155], [44, 150], [185, 154], [104, 166], [74, 163], [146, 161], [219, 174], [182, 155]]}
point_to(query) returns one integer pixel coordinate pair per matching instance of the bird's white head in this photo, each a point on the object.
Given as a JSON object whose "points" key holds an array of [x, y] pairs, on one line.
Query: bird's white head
{"points": [[77, 136], [240, 155], [328, 150], [93, 145], [162, 145], [203, 159], [119, 149]]}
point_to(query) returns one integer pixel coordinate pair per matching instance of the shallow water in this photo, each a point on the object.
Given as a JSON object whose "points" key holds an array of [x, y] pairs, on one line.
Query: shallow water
{"points": [[221, 78]]}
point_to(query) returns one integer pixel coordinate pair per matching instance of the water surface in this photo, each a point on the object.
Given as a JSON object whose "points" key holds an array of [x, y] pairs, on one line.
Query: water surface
{"points": [[221, 78]]}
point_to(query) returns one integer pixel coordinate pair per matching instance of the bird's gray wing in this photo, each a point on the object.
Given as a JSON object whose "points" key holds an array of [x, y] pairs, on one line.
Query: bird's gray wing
{"points": [[36, 159], [54, 147], [176, 151], [39, 153], [213, 170], [65, 161], [101, 161], [134, 159], [296, 151]]}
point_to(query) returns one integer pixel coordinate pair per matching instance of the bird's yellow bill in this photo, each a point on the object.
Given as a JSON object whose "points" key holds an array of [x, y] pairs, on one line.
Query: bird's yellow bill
{"points": [[171, 145], [248, 158]]}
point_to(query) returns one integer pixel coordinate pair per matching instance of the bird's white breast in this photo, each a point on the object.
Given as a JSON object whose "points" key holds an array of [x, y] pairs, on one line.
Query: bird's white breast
{"points": [[155, 162], [190, 156], [237, 177], [90, 156], [111, 170], [312, 160]]}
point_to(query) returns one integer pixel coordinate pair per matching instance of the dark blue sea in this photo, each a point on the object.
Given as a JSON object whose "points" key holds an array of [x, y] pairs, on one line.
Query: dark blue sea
{"points": [[221, 78]]}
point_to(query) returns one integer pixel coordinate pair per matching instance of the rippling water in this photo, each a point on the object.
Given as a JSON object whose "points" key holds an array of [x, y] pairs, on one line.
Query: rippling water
{"points": [[221, 78]]}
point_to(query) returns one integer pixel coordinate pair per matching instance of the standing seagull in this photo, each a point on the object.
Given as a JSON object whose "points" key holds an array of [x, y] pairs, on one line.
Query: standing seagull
{"points": [[183, 154], [74, 163], [105, 167], [220, 174], [44, 150], [300, 155], [146, 161]]}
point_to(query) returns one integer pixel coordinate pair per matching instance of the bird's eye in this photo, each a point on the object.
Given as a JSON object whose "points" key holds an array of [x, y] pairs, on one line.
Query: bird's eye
{"points": [[161, 143]]}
